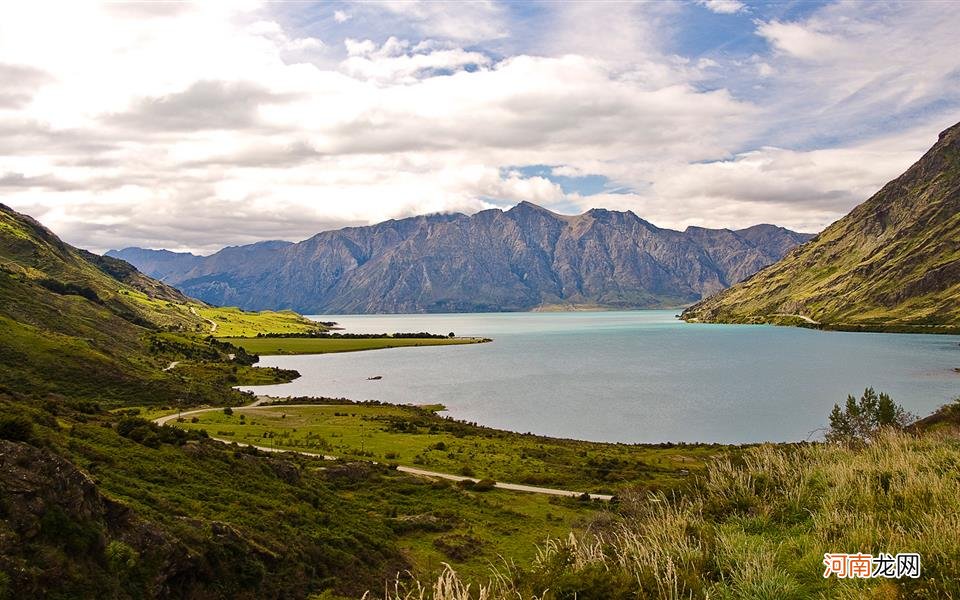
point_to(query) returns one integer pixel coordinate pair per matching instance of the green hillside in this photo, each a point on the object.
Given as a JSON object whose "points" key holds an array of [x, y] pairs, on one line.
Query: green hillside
{"points": [[76, 323], [893, 263], [100, 503]]}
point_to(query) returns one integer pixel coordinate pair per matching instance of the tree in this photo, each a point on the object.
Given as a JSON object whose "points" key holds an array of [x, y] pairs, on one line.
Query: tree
{"points": [[860, 421]]}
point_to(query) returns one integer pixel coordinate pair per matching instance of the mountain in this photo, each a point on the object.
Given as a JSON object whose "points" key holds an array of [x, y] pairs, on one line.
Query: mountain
{"points": [[892, 263], [521, 259]]}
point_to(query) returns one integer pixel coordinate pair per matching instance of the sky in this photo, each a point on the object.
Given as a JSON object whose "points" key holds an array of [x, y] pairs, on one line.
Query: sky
{"points": [[196, 126]]}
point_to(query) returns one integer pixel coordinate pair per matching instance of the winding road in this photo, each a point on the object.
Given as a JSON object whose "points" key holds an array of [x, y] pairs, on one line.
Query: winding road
{"points": [[259, 403], [213, 324]]}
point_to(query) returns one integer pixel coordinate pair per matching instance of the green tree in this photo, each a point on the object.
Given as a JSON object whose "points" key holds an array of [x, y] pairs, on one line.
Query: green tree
{"points": [[861, 420]]}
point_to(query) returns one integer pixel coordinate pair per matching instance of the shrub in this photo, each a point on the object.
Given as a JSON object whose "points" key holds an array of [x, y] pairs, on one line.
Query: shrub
{"points": [[861, 421], [228, 411], [484, 485], [121, 557], [128, 425], [16, 428]]}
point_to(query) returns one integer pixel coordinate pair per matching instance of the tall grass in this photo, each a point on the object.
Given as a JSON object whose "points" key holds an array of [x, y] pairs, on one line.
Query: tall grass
{"points": [[757, 529]]}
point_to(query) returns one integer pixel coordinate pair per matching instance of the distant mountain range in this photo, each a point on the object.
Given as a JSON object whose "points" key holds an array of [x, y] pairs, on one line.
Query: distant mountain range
{"points": [[525, 258], [893, 263]]}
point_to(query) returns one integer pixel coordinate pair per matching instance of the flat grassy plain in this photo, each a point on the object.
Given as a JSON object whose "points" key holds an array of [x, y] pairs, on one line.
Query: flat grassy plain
{"points": [[417, 437], [306, 345]]}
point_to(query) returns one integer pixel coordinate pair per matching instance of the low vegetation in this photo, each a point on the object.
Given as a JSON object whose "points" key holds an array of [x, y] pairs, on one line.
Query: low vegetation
{"points": [[758, 527], [418, 437], [324, 345]]}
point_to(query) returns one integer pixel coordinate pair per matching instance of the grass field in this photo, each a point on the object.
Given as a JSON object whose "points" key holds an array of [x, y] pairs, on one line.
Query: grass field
{"points": [[440, 523], [265, 346], [469, 530], [233, 322], [419, 438], [758, 528]]}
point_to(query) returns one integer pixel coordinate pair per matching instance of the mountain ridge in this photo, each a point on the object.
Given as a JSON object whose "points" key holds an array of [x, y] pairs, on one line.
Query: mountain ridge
{"points": [[517, 259], [892, 263]]}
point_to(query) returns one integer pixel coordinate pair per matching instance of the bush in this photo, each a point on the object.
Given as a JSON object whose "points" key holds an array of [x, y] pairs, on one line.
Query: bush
{"points": [[484, 485], [121, 557], [228, 411], [860, 421], [16, 428], [128, 425]]}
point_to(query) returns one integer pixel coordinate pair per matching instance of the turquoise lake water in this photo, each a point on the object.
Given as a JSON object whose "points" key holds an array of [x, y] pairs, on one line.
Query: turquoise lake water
{"points": [[631, 376]]}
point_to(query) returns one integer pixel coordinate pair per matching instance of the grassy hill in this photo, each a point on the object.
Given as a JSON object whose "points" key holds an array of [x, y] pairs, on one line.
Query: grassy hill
{"points": [[893, 263], [80, 324]]}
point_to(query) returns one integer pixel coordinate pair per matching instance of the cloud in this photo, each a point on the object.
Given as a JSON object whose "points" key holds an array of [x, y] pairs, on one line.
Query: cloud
{"points": [[204, 105], [19, 180], [340, 17], [723, 7], [20, 83], [395, 62], [193, 126], [800, 40], [862, 69], [468, 21]]}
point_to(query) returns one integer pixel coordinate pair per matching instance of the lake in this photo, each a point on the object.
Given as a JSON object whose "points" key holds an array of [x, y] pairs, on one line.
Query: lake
{"points": [[631, 376]]}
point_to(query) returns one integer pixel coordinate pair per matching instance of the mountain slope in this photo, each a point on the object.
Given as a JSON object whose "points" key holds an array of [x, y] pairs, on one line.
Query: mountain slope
{"points": [[520, 259], [101, 503], [75, 322], [893, 262]]}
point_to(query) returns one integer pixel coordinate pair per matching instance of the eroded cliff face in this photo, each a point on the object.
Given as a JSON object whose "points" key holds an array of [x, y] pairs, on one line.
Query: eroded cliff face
{"points": [[520, 259]]}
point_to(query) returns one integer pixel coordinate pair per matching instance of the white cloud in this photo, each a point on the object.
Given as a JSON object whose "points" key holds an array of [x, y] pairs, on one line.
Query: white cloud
{"points": [[724, 7], [394, 62], [200, 125], [340, 17], [467, 21], [799, 40]]}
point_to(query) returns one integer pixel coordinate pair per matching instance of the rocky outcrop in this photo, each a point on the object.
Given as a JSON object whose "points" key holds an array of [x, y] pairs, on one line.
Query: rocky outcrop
{"points": [[520, 259]]}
